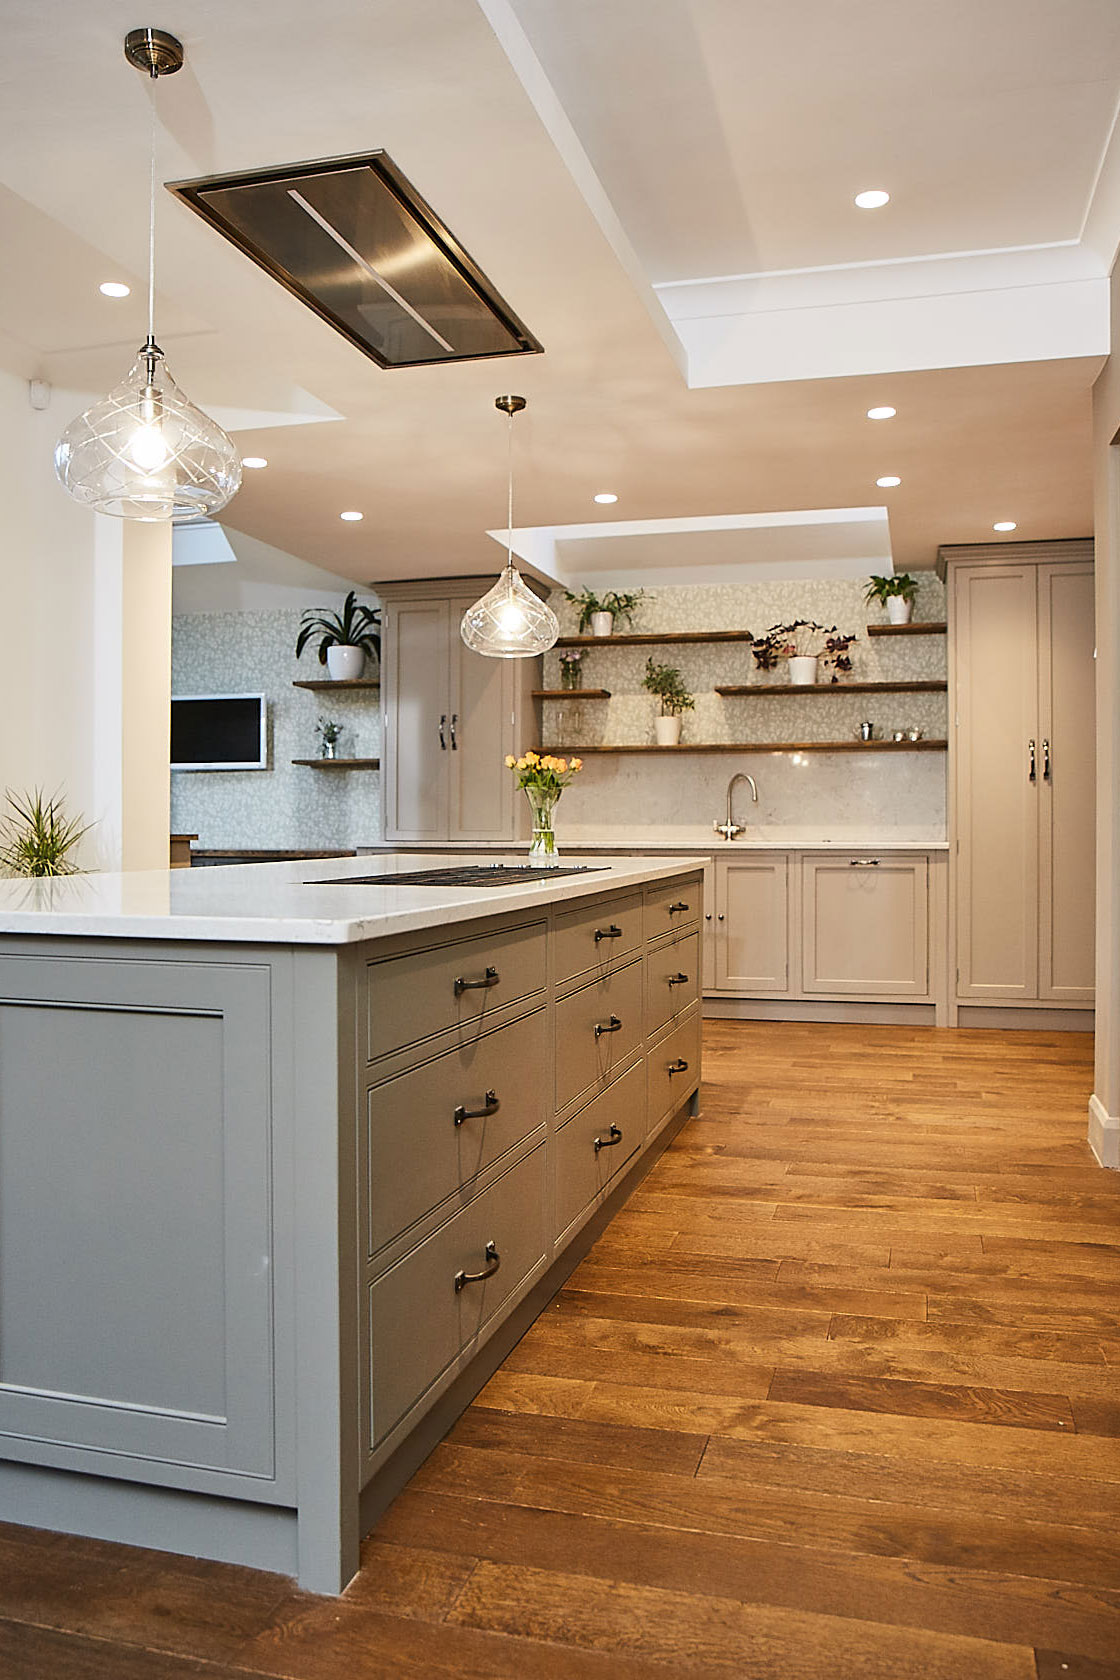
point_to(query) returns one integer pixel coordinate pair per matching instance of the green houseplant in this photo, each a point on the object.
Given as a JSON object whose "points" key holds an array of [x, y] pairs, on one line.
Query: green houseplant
{"points": [[601, 613], [666, 682], [37, 837], [344, 638], [895, 593]]}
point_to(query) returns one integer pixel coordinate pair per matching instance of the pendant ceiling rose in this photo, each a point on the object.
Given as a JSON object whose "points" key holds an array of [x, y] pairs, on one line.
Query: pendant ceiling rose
{"points": [[153, 51], [510, 405]]}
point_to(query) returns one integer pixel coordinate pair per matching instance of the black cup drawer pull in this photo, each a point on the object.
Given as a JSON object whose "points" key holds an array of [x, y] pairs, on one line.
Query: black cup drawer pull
{"points": [[490, 1105], [678, 979], [613, 1025], [491, 978], [493, 1264], [611, 932], [675, 909], [679, 1066], [613, 1136]]}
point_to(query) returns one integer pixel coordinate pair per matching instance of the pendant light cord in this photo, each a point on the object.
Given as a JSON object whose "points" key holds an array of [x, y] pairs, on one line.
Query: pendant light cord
{"points": [[152, 230], [509, 509]]}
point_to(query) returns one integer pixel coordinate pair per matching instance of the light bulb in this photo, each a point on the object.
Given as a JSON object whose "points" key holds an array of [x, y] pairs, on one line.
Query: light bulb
{"points": [[147, 447]]}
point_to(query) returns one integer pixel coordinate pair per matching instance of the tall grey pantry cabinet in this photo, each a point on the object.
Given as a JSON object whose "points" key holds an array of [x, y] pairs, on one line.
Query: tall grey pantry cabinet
{"points": [[451, 717], [1022, 774]]}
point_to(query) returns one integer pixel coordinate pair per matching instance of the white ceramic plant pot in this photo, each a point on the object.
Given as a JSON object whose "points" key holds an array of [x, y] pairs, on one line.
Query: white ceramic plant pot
{"points": [[898, 610], [602, 623], [345, 663], [803, 669], [668, 731]]}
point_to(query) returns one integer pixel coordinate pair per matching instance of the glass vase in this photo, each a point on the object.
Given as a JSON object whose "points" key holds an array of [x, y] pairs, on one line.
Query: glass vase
{"points": [[542, 847], [569, 674]]}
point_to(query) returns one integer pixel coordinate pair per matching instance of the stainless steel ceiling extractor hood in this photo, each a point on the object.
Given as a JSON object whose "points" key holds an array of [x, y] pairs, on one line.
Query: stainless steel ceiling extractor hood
{"points": [[356, 242]]}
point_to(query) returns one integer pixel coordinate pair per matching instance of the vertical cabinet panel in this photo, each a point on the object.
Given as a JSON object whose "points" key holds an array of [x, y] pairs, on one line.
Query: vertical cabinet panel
{"points": [[1066, 789], [865, 925], [996, 802], [480, 788], [752, 943], [417, 696]]}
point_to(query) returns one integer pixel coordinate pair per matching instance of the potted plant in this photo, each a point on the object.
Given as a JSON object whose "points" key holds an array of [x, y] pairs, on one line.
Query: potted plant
{"points": [[667, 683], [895, 593], [344, 638], [806, 646], [543, 779], [37, 837], [328, 732], [599, 613], [570, 661]]}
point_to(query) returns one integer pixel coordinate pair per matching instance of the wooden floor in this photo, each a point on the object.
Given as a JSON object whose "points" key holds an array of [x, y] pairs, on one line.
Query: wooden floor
{"points": [[836, 1395]]}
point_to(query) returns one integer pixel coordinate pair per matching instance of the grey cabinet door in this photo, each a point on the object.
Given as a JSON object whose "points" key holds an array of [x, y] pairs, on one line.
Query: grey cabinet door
{"points": [[136, 1252], [483, 702], [865, 925], [1067, 794], [752, 909], [418, 713]]}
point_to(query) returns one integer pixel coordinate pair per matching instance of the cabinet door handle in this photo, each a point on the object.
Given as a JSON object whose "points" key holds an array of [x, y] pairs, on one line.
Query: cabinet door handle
{"points": [[454, 726], [679, 1066], [490, 1105], [493, 1264], [678, 979], [442, 727], [1030, 755], [613, 1025], [611, 932], [1046, 761], [675, 909], [490, 978], [720, 917], [707, 915], [613, 1136], [863, 863]]}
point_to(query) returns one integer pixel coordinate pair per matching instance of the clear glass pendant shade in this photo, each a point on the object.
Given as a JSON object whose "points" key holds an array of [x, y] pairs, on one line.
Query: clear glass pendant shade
{"points": [[146, 452], [509, 622]]}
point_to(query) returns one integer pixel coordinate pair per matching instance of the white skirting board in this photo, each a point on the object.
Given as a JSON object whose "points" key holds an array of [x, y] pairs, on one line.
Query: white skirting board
{"points": [[1104, 1133]]}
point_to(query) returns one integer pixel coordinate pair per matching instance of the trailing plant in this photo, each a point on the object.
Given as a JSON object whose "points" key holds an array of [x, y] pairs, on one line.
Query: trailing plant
{"points": [[357, 625], [667, 683], [803, 638], [882, 588], [37, 836], [621, 607]]}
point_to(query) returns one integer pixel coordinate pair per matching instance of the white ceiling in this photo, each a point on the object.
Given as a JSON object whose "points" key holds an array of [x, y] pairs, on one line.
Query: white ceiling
{"points": [[638, 143]]}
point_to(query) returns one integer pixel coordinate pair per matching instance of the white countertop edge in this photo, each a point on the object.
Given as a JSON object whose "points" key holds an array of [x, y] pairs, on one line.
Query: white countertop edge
{"points": [[220, 918], [713, 847]]}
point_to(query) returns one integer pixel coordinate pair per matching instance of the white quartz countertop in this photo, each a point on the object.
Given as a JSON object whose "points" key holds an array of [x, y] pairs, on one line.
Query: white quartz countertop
{"points": [[700, 841], [296, 903]]}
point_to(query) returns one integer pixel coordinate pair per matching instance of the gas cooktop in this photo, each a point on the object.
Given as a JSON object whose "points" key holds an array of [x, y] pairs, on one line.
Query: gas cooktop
{"points": [[465, 875]]}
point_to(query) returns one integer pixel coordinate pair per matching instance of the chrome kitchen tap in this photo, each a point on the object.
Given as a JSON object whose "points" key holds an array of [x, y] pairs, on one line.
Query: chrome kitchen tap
{"points": [[730, 828]]}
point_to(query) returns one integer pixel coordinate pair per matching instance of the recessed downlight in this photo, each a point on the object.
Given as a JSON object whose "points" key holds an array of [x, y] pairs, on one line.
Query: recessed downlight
{"points": [[351, 515], [873, 199], [890, 482], [114, 288], [254, 461], [606, 496], [1005, 525], [885, 412]]}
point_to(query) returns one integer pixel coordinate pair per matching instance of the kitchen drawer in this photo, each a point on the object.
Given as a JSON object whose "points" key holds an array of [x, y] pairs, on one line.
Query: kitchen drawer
{"points": [[672, 980], [417, 1154], [669, 1083], [597, 938], [424, 992], [597, 1028], [669, 908], [582, 1171], [420, 1321]]}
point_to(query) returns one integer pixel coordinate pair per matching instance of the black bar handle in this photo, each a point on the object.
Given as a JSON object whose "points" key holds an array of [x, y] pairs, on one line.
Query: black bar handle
{"points": [[614, 1136], [611, 932], [493, 1264], [490, 1105], [679, 1066], [613, 1025], [491, 978], [442, 727], [675, 909], [678, 979], [1046, 761], [454, 726], [1030, 755]]}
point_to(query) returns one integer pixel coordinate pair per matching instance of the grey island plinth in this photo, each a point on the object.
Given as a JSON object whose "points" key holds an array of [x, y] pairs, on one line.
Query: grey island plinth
{"points": [[287, 1163]]}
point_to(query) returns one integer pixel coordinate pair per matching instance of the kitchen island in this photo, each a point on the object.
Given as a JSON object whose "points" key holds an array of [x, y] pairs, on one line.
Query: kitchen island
{"points": [[290, 1158]]}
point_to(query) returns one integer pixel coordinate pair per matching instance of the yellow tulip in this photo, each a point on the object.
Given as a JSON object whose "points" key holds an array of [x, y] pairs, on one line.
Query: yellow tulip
{"points": [[522, 764], [577, 764], [561, 767], [531, 758], [511, 762]]}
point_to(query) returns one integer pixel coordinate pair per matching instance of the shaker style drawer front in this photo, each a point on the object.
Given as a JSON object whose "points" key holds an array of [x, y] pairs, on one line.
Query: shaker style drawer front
{"points": [[597, 1028], [599, 1140], [431, 1305], [672, 980], [674, 1069], [671, 908], [425, 992], [430, 1132], [596, 939]]}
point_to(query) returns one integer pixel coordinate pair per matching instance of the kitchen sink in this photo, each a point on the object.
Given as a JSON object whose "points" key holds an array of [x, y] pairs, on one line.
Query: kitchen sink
{"points": [[466, 875]]}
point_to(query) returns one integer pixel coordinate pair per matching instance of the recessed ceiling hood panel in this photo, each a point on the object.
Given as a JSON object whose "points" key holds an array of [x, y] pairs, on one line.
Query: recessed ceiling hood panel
{"points": [[355, 241]]}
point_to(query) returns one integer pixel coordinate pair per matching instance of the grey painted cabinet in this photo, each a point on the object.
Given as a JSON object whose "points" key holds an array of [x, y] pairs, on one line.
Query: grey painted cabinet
{"points": [[451, 717]]}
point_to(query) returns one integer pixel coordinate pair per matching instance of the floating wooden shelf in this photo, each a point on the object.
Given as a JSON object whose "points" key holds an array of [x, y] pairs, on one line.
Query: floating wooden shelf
{"points": [[348, 682], [571, 694], [763, 747], [339, 763], [650, 640], [930, 687], [930, 629]]}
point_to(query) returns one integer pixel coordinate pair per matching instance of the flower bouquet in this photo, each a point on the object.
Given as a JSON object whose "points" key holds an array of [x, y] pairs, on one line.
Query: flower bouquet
{"points": [[543, 779]]}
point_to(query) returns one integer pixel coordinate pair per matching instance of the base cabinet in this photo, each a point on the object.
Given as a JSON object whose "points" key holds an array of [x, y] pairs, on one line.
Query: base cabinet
{"points": [[865, 925], [752, 923]]}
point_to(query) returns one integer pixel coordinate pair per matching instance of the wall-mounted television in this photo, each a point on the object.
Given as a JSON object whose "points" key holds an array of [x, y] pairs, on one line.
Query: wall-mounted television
{"points": [[219, 732]]}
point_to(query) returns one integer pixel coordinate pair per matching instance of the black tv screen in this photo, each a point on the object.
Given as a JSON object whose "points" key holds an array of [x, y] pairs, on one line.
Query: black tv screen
{"points": [[219, 732]]}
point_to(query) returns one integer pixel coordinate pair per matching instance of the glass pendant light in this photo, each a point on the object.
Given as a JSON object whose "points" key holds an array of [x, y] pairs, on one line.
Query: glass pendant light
{"points": [[509, 622], [145, 451]]}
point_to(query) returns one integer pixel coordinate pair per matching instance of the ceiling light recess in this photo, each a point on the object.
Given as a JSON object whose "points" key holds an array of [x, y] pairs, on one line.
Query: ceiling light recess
{"points": [[355, 242], [873, 199], [352, 516], [509, 621], [1005, 525], [254, 462], [606, 497], [114, 289], [885, 412], [889, 482]]}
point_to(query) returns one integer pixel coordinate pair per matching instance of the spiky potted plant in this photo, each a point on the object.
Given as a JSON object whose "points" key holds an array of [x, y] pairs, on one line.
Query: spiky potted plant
{"points": [[37, 836], [895, 593], [344, 638]]}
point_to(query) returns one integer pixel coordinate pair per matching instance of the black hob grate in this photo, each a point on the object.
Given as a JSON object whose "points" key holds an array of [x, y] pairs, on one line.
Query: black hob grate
{"points": [[466, 875]]}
